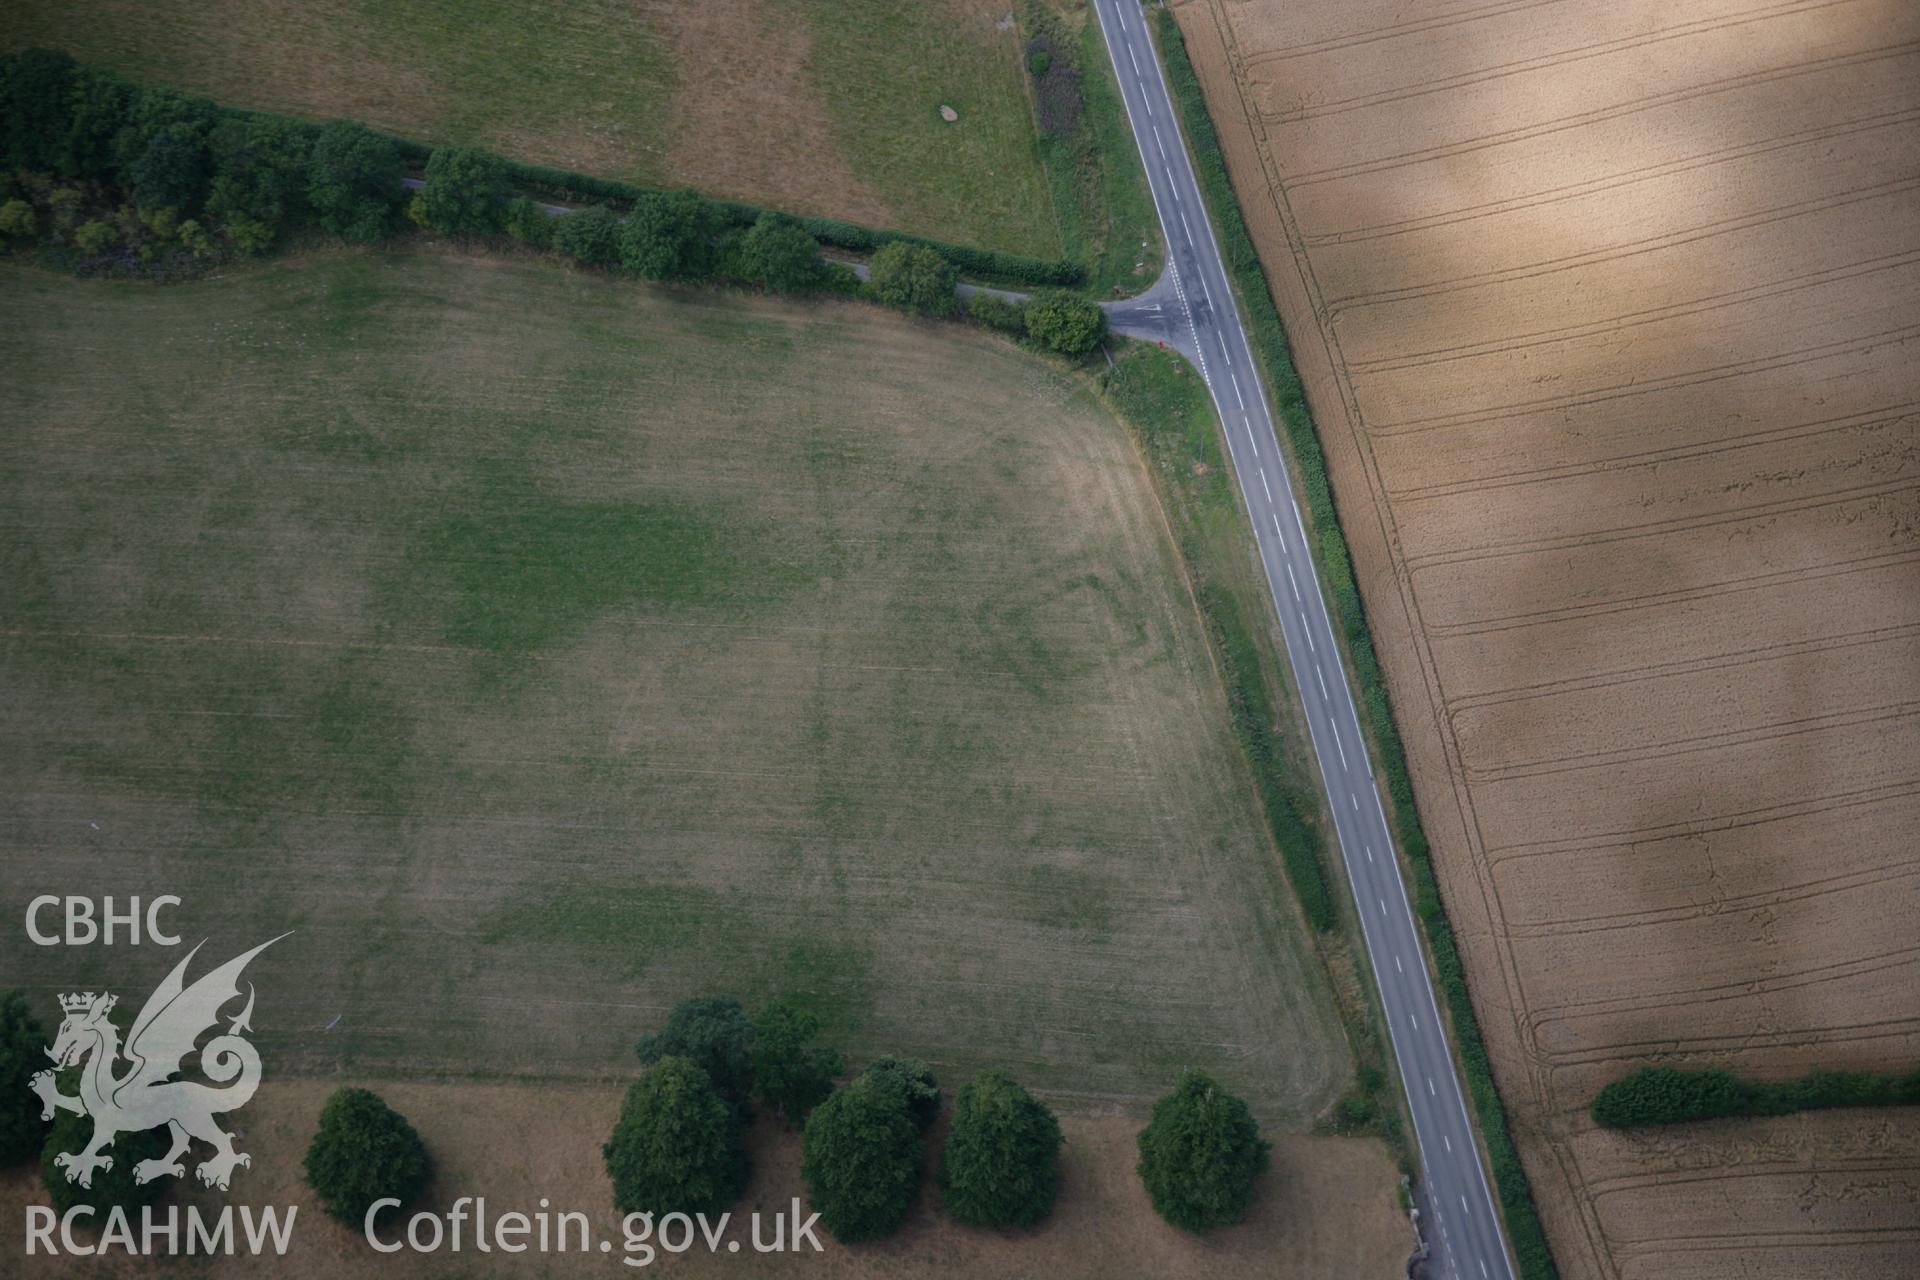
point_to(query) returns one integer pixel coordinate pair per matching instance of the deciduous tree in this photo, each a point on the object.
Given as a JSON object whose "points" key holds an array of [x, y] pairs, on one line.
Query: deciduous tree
{"points": [[260, 174], [354, 180], [677, 1146], [714, 1032], [463, 190], [1001, 1164], [778, 254], [790, 1074], [110, 1186], [23, 1041], [364, 1151], [17, 221], [1200, 1154], [95, 237], [669, 236], [591, 234], [35, 88], [170, 172], [913, 1080], [861, 1160], [1065, 323], [913, 278]]}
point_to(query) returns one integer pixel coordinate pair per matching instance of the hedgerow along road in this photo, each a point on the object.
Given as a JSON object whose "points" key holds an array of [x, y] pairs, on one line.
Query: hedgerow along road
{"points": [[1193, 310]]}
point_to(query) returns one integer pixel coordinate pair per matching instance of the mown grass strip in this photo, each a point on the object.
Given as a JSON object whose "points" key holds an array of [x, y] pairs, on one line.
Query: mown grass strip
{"points": [[1336, 572]]}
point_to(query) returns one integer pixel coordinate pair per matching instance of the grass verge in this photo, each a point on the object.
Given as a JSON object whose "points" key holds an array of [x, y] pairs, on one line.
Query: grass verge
{"points": [[1336, 571], [1166, 407], [1100, 197]]}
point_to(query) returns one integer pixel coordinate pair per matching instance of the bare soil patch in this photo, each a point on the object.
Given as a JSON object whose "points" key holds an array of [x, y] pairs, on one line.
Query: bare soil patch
{"points": [[1608, 319]]}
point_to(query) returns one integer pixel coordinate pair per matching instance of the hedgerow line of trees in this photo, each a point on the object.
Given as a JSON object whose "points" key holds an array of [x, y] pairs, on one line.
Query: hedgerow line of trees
{"points": [[141, 177], [1674, 1095]]}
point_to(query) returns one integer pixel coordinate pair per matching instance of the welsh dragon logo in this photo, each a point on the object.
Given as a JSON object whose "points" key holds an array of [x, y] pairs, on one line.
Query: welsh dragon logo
{"points": [[145, 1095]]}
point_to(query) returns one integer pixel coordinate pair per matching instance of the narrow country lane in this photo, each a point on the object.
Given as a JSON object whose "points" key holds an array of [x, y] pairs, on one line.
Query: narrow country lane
{"points": [[1193, 310]]}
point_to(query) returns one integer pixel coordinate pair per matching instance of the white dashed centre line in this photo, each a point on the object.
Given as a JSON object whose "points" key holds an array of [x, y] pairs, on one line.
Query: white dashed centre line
{"points": [[1200, 311]]}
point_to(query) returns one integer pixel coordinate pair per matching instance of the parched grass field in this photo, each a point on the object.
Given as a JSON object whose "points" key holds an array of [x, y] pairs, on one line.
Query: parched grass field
{"points": [[1325, 1207], [814, 106], [544, 649], [1607, 314]]}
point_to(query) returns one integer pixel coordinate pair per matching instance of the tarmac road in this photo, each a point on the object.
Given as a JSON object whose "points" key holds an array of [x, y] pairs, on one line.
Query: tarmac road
{"points": [[1193, 310]]}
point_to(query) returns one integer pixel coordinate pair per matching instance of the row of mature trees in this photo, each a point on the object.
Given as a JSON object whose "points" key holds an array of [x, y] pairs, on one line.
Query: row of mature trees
{"points": [[917, 279], [108, 164], [679, 1143], [117, 170]]}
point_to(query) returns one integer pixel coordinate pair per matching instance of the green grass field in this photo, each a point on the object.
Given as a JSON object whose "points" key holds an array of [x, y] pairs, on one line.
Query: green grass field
{"points": [[814, 106], [544, 649]]}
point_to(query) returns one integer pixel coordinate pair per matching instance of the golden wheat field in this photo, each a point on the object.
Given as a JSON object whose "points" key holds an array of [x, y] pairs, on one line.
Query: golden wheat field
{"points": [[1607, 313]]}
